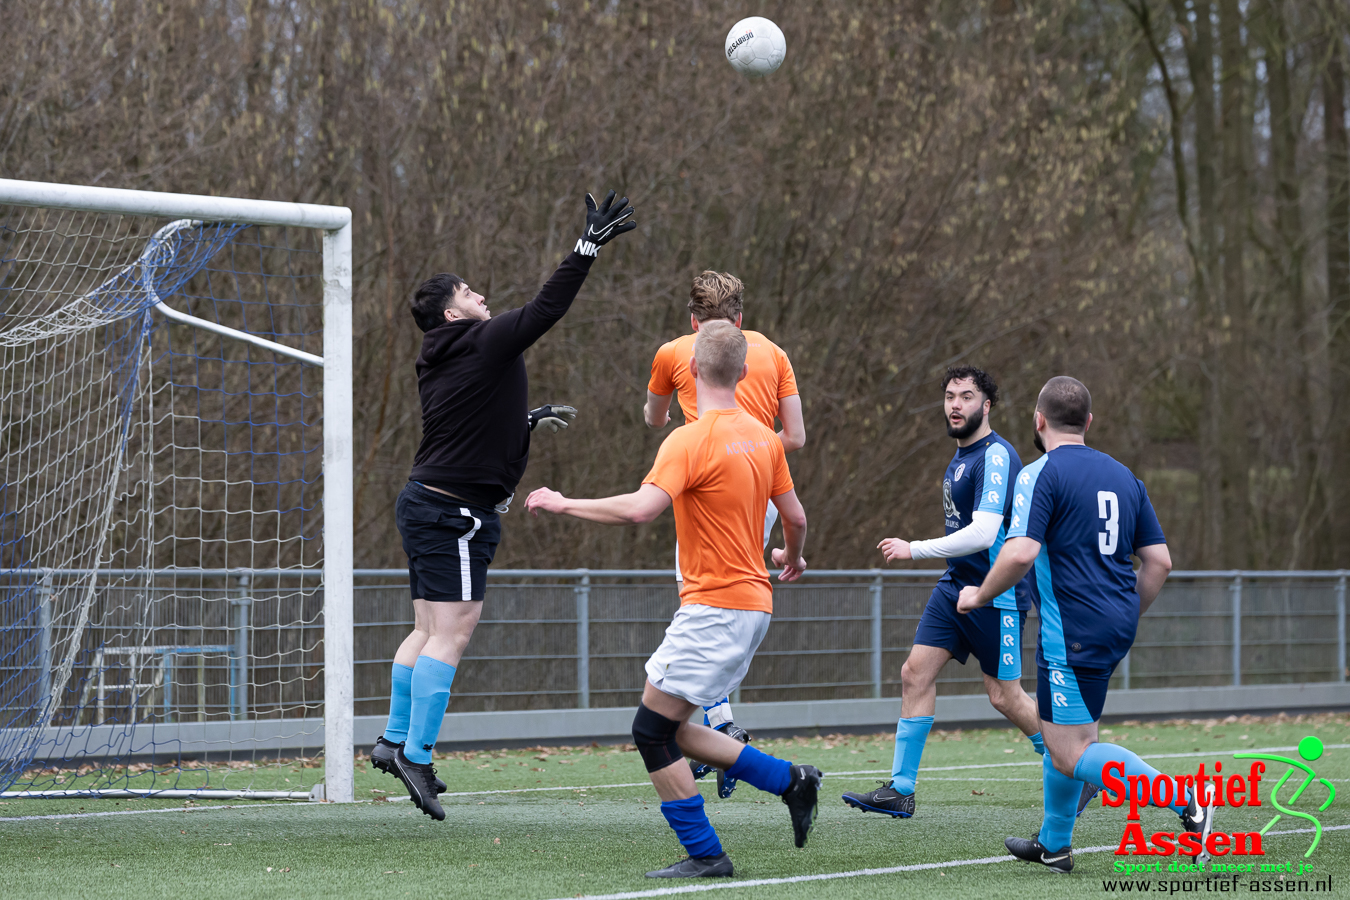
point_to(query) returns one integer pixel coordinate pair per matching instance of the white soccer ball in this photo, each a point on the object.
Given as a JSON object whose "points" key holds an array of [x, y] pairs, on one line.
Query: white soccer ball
{"points": [[755, 47]]}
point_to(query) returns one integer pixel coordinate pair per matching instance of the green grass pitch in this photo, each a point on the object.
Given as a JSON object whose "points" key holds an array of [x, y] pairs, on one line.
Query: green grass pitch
{"points": [[583, 835]]}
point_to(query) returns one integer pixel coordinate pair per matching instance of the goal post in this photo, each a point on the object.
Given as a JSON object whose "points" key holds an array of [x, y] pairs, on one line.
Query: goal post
{"points": [[161, 570]]}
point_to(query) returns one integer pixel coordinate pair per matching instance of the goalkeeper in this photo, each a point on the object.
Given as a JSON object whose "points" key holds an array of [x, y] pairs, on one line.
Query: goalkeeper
{"points": [[476, 428]]}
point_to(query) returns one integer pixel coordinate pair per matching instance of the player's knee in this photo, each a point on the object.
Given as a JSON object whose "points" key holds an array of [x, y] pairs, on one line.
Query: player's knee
{"points": [[654, 736], [999, 699], [912, 678], [1062, 763]]}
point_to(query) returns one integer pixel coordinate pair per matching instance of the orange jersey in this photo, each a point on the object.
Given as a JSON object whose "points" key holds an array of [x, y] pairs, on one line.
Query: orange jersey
{"points": [[720, 471], [770, 378]]}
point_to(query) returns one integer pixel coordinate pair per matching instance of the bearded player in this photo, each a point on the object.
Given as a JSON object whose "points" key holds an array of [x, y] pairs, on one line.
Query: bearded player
{"points": [[718, 471], [769, 391], [1078, 518], [976, 500]]}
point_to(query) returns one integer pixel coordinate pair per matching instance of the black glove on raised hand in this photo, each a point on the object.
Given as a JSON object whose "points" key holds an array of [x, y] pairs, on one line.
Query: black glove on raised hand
{"points": [[552, 417], [604, 223]]}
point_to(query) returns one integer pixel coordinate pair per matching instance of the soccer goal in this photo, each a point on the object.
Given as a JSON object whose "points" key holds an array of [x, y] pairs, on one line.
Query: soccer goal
{"points": [[175, 495]]}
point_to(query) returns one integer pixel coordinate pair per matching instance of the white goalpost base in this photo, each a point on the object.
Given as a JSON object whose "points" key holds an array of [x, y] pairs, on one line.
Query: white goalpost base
{"points": [[32, 712]]}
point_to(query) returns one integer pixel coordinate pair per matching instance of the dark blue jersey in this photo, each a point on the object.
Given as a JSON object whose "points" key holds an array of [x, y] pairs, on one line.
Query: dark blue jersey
{"points": [[1089, 513], [979, 478]]}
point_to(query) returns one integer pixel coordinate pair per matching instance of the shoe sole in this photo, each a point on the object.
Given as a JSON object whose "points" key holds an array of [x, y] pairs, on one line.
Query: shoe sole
{"points": [[1043, 865], [857, 804], [726, 786]]}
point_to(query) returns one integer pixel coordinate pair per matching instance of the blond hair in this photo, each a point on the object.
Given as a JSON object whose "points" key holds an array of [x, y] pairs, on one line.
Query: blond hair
{"points": [[715, 295], [719, 350]]}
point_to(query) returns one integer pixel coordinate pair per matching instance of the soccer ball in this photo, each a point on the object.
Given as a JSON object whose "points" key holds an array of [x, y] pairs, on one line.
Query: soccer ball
{"points": [[755, 47]]}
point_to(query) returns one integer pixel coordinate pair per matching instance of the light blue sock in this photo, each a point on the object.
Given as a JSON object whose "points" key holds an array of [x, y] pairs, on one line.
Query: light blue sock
{"points": [[1089, 768], [910, 736], [691, 826], [400, 704], [1037, 743], [1061, 794], [431, 680], [757, 768]]}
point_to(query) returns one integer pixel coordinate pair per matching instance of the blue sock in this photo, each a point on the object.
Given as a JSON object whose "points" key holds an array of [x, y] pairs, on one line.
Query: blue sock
{"points": [[1089, 768], [768, 773], [400, 704], [1037, 743], [1061, 806], [910, 736], [431, 680], [692, 827]]}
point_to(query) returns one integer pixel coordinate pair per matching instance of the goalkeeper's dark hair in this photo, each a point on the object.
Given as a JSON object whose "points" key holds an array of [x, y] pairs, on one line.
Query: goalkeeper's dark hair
{"points": [[433, 298], [983, 380]]}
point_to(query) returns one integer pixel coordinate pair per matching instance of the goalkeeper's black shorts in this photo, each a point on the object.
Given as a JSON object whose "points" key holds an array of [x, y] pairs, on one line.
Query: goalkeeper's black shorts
{"points": [[449, 544]]}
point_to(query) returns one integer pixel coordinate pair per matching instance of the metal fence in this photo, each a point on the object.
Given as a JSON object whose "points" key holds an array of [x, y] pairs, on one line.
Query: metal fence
{"points": [[577, 638]]}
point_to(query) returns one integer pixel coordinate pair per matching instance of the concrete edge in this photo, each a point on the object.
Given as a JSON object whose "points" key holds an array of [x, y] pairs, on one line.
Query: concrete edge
{"points": [[561, 726]]}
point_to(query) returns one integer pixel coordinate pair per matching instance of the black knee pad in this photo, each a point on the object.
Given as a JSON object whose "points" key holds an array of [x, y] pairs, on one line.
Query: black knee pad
{"points": [[654, 736]]}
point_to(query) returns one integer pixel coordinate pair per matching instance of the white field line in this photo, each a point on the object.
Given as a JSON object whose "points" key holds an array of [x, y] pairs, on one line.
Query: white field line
{"points": [[135, 812], [638, 784], [856, 873]]}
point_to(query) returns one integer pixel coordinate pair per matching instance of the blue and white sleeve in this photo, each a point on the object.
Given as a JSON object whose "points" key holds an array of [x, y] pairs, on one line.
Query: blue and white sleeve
{"points": [[1032, 501], [995, 490]]}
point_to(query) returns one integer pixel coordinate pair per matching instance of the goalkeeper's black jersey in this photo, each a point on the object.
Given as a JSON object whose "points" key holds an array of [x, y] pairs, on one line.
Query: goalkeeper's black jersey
{"points": [[474, 392]]}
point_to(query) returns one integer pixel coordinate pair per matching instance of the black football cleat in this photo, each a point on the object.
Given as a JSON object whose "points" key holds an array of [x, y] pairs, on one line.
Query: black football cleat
{"points": [[382, 758], [1089, 791], [1031, 850], [885, 799], [699, 769], [800, 798], [725, 783], [1200, 820], [692, 867], [420, 780]]}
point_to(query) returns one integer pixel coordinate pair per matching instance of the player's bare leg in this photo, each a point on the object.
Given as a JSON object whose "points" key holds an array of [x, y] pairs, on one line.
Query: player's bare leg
{"points": [[918, 700], [400, 701], [449, 626]]}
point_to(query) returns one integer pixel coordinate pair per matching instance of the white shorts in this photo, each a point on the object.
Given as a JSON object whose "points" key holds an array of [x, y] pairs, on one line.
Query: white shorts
{"points": [[770, 516], [706, 652]]}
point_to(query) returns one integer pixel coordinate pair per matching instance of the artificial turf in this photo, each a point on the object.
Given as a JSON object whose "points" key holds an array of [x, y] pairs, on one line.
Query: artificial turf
{"points": [[578, 838]]}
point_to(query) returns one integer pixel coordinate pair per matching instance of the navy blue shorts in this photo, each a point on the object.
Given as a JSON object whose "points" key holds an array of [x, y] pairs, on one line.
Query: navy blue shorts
{"points": [[449, 544], [993, 635], [1071, 695]]}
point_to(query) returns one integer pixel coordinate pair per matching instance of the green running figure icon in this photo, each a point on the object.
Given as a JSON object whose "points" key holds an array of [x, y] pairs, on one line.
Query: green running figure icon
{"points": [[1310, 749]]}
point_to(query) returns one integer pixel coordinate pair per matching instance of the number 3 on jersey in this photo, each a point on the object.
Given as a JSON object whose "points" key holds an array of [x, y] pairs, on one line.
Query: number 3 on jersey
{"points": [[1108, 508]]}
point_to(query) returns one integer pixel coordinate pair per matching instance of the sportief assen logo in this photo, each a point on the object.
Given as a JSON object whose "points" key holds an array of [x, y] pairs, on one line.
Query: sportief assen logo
{"points": [[1235, 790]]}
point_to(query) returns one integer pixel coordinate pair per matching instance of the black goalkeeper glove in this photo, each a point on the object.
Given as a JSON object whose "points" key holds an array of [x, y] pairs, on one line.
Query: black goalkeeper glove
{"points": [[554, 418], [604, 223]]}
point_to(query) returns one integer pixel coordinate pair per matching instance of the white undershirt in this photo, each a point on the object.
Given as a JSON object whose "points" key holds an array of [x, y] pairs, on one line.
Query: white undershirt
{"points": [[980, 534]]}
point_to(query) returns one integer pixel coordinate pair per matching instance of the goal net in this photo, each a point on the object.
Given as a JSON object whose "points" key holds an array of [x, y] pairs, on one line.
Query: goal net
{"points": [[175, 530]]}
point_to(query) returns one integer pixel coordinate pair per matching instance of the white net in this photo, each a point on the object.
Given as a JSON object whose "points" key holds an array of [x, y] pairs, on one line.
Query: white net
{"points": [[160, 504]]}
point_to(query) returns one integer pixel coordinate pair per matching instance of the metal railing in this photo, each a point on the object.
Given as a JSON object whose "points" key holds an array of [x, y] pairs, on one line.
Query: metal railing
{"points": [[578, 638]]}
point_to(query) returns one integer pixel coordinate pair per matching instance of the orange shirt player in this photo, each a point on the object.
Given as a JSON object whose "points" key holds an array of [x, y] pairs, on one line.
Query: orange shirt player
{"points": [[769, 391], [719, 471]]}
